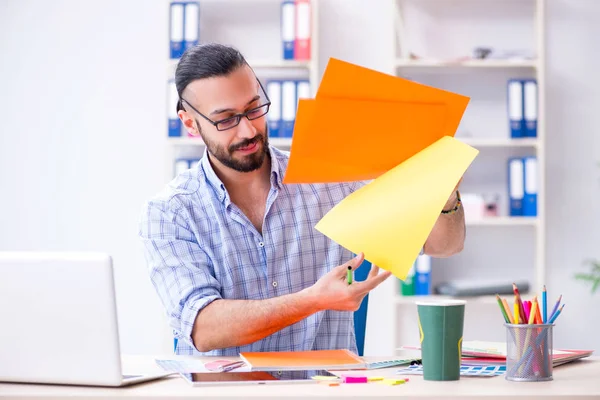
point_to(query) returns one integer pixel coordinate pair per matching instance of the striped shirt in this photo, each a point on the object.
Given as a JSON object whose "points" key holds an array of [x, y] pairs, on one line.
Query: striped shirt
{"points": [[200, 247]]}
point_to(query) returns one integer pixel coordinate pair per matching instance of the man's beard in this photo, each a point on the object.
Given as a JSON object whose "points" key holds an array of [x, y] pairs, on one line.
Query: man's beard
{"points": [[247, 163]]}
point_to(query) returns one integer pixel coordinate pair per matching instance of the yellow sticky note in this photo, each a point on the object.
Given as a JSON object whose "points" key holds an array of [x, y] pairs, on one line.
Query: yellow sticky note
{"points": [[390, 218]]}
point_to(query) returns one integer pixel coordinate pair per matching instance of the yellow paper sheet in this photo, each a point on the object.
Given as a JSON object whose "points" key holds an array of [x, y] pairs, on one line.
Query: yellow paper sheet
{"points": [[390, 218]]}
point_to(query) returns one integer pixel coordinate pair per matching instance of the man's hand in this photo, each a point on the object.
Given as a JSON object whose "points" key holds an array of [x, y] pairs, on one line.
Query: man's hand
{"points": [[332, 291], [451, 202]]}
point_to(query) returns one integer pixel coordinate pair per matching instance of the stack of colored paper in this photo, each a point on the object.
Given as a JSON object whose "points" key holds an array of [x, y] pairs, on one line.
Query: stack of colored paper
{"points": [[366, 125]]}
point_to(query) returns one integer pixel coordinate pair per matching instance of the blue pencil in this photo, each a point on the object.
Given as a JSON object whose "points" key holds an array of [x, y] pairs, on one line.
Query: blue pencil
{"points": [[556, 306], [556, 314], [544, 306]]}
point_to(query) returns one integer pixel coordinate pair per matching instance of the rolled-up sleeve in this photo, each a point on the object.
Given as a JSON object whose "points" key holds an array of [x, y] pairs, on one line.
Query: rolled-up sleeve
{"points": [[180, 269]]}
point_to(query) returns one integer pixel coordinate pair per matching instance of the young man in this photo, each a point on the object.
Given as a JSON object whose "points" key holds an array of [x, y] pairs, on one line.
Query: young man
{"points": [[232, 252]]}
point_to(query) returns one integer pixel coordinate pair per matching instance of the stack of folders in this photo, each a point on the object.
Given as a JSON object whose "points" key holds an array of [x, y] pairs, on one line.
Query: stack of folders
{"points": [[418, 280], [284, 96], [522, 186], [183, 164], [296, 29], [184, 26], [522, 108]]}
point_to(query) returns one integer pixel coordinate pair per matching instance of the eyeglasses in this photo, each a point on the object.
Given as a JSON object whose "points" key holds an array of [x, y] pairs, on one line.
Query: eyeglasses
{"points": [[233, 121]]}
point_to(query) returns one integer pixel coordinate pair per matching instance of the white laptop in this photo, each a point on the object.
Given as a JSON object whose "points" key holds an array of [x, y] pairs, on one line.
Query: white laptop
{"points": [[59, 320]]}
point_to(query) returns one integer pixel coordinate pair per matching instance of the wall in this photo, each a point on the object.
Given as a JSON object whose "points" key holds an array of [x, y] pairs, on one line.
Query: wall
{"points": [[81, 138], [82, 102]]}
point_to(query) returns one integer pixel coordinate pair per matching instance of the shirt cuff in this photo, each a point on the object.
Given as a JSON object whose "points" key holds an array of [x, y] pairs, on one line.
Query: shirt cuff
{"points": [[189, 314]]}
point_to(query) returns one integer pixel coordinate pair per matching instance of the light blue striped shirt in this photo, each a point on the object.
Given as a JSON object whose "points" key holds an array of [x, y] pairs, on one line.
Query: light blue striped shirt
{"points": [[200, 247]]}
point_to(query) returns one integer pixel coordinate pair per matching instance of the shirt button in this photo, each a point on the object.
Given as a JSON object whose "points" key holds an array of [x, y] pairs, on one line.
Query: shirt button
{"points": [[274, 284], [261, 244], [279, 373]]}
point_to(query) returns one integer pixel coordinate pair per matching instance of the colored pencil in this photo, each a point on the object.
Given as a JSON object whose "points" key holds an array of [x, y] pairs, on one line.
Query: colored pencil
{"points": [[516, 307], [544, 305], [556, 314], [506, 319], [556, 306], [519, 303], [507, 309], [532, 313]]}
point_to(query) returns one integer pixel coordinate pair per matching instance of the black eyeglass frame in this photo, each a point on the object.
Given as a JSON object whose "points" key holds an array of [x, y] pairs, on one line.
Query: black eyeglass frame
{"points": [[236, 116]]}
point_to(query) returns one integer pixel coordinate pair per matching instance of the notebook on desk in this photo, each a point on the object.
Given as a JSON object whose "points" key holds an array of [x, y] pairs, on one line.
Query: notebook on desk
{"points": [[313, 360], [497, 350], [494, 353]]}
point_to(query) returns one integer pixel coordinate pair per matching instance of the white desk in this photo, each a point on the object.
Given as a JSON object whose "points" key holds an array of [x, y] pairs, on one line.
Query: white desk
{"points": [[579, 379]]}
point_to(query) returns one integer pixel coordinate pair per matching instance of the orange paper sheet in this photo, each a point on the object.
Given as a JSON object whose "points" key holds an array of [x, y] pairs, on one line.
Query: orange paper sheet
{"points": [[363, 123]]}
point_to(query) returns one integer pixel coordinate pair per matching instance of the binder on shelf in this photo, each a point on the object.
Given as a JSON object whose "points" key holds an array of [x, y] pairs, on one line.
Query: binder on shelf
{"points": [[530, 107], [303, 30], [422, 278], [302, 90], [516, 186], [288, 28], [288, 108], [407, 286], [515, 108], [191, 25], [274, 115], [176, 13], [174, 121], [183, 164], [530, 178]]}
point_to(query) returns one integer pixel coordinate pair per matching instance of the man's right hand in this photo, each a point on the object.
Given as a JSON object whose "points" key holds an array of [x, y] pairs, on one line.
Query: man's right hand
{"points": [[332, 291]]}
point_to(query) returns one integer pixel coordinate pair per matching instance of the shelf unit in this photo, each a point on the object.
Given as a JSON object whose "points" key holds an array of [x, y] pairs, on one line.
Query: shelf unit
{"points": [[465, 22], [241, 24]]}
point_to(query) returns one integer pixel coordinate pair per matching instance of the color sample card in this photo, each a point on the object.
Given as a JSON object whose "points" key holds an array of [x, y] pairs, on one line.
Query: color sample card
{"points": [[465, 370]]}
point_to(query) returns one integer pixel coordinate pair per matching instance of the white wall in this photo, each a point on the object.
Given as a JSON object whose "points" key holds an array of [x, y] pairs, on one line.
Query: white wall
{"points": [[573, 153], [82, 105], [82, 144]]}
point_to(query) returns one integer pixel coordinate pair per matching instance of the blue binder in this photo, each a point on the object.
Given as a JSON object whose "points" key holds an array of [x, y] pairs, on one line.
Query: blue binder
{"points": [[191, 24], [516, 186], [515, 108], [288, 108], [274, 116], [288, 28], [422, 277], [530, 187], [530, 107], [176, 15], [174, 121]]}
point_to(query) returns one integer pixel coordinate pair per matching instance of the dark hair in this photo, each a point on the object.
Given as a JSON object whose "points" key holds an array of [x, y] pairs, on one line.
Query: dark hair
{"points": [[205, 61]]}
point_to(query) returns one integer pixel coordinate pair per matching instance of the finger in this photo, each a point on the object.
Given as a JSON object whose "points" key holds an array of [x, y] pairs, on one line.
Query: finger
{"points": [[375, 281], [373, 272], [353, 264]]}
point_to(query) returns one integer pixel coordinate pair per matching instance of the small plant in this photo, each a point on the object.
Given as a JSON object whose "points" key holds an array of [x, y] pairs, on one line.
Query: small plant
{"points": [[593, 277]]}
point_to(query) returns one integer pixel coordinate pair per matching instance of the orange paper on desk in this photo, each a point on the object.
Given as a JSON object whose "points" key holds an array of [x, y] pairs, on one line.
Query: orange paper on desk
{"points": [[302, 360], [363, 123], [390, 218]]}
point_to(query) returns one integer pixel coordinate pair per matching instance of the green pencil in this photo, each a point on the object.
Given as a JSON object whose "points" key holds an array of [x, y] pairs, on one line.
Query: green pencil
{"points": [[349, 275], [506, 319]]}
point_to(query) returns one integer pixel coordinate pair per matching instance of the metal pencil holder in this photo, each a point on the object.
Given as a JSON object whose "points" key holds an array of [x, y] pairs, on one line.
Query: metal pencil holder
{"points": [[529, 352]]}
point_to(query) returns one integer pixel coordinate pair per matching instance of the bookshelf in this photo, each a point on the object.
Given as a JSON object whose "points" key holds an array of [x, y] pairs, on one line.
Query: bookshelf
{"points": [[434, 43], [243, 24]]}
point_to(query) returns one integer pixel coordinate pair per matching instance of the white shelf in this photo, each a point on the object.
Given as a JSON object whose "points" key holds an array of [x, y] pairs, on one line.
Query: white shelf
{"points": [[403, 63], [409, 300], [504, 221], [266, 63], [499, 142]]}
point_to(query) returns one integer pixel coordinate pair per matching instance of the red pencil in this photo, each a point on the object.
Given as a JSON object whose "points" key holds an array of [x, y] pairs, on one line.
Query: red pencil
{"points": [[521, 308]]}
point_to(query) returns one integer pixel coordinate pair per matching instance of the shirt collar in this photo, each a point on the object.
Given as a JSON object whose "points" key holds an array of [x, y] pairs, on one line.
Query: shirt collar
{"points": [[218, 186]]}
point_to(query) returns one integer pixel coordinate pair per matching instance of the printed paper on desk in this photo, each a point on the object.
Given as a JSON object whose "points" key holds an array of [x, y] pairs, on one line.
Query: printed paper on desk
{"points": [[390, 218], [389, 119]]}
